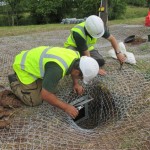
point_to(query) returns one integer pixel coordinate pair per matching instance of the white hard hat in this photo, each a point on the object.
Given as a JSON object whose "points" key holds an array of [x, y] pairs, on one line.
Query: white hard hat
{"points": [[95, 26], [89, 68]]}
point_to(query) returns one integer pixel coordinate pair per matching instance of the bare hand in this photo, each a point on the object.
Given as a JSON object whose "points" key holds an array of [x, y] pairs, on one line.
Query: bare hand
{"points": [[121, 57], [71, 111], [102, 72], [78, 89]]}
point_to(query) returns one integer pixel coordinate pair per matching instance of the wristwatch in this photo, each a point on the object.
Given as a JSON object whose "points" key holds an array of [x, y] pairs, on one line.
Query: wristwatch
{"points": [[118, 52]]}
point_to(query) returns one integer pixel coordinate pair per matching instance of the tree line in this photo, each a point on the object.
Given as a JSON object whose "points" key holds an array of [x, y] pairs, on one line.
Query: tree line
{"points": [[26, 12]]}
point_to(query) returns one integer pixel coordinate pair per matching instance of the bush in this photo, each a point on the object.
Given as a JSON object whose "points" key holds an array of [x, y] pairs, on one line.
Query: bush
{"points": [[116, 8], [4, 21], [27, 20]]}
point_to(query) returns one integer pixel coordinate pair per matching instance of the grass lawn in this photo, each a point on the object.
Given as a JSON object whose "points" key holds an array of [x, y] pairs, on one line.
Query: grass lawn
{"points": [[135, 12], [133, 15], [18, 30]]}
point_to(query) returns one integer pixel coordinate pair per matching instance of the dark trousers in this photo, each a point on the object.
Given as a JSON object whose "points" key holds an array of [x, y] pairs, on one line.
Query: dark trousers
{"points": [[99, 58], [94, 54]]}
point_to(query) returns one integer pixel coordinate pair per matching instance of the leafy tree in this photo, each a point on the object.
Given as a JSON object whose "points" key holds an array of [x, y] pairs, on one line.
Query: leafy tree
{"points": [[85, 8], [116, 8], [13, 9], [46, 11]]}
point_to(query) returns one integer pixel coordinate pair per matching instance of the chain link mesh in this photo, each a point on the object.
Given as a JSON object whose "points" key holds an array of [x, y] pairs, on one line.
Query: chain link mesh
{"points": [[117, 118]]}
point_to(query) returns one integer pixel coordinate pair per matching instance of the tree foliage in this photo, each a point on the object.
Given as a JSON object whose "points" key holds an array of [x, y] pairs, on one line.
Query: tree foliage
{"points": [[50, 11], [136, 2], [116, 8], [13, 8], [44, 11], [86, 7]]}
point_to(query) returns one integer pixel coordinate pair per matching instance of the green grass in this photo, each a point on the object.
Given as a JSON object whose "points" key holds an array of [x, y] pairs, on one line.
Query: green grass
{"points": [[133, 15], [18, 30], [135, 12], [129, 21], [144, 47]]}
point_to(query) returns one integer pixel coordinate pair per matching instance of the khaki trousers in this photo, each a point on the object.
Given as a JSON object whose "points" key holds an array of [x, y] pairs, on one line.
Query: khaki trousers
{"points": [[29, 94]]}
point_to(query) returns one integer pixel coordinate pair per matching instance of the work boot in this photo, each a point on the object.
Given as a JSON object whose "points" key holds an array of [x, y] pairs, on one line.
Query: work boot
{"points": [[12, 78]]}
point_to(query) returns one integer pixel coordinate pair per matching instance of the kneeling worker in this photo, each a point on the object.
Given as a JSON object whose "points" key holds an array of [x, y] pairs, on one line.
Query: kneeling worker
{"points": [[83, 38], [38, 71]]}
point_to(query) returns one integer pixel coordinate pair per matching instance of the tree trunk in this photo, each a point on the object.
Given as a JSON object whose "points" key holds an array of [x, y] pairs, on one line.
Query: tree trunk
{"points": [[12, 20]]}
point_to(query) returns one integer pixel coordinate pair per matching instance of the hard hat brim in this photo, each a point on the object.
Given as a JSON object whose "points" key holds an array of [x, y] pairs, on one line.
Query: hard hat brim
{"points": [[98, 36]]}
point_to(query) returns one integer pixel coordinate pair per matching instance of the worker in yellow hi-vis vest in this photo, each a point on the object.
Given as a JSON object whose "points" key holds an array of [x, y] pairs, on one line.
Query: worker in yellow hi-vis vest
{"points": [[38, 71], [83, 38]]}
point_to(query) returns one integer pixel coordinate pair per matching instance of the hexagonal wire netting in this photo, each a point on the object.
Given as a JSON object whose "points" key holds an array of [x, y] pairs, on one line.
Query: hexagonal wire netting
{"points": [[118, 116]]}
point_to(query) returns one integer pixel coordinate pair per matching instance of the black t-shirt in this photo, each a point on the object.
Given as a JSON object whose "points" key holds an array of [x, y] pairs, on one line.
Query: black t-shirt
{"points": [[81, 42], [53, 73]]}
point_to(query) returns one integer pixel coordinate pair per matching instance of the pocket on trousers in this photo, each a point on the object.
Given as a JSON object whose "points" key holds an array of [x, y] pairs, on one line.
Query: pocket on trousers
{"points": [[25, 92], [26, 98]]}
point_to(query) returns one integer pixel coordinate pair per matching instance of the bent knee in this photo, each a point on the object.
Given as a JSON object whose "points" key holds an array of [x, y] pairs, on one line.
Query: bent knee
{"points": [[101, 62], [31, 100]]}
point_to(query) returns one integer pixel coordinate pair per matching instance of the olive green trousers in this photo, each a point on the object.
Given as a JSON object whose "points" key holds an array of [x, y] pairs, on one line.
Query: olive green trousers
{"points": [[29, 94]]}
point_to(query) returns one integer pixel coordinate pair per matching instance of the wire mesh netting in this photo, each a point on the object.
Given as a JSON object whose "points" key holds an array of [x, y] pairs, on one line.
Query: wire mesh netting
{"points": [[116, 119]]}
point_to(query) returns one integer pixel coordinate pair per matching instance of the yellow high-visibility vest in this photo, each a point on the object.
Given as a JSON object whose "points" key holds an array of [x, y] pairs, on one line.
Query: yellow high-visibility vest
{"points": [[80, 30], [30, 65]]}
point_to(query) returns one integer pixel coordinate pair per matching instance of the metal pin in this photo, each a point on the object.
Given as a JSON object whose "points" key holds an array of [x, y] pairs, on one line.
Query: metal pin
{"points": [[121, 65]]}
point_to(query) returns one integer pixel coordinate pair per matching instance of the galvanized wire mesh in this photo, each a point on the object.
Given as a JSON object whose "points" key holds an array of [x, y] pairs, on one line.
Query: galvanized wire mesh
{"points": [[117, 118]]}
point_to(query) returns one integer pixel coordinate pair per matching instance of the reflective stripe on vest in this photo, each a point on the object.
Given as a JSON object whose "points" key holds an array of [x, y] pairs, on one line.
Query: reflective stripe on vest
{"points": [[71, 42], [27, 74], [22, 64], [44, 55]]}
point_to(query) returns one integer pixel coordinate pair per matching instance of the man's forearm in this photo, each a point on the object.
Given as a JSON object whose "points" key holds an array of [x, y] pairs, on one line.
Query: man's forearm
{"points": [[114, 43], [53, 100], [117, 50]]}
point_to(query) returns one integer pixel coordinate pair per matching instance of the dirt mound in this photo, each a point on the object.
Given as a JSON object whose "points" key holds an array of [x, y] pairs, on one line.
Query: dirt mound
{"points": [[8, 99], [134, 40], [138, 40], [8, 104]]}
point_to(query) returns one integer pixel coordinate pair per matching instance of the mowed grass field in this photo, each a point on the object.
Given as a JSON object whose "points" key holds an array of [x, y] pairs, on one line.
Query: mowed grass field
{"points": [[133, 15]]}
